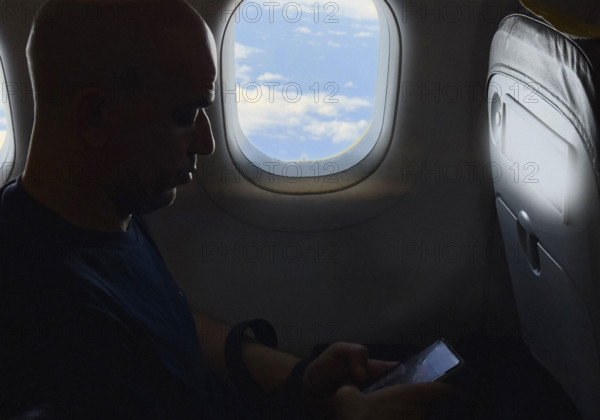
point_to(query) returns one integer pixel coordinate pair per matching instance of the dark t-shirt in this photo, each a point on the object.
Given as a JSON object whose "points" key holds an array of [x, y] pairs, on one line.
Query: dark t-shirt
{"points": [[92, 325]]}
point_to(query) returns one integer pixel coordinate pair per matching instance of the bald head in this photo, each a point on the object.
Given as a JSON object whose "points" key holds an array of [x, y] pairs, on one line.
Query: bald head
{"points": [[120, 45], [120, 91]]}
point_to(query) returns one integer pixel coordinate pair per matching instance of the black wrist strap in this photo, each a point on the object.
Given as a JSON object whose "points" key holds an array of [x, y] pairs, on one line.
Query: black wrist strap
{"points": [[294, 384], [264, 333]]}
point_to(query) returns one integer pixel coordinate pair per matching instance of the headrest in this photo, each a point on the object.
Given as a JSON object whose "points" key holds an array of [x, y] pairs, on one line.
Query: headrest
{"points": [[563, 70]]}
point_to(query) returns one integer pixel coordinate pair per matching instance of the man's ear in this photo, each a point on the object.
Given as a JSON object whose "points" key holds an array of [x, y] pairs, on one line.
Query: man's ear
{"points": [[91, 108]]}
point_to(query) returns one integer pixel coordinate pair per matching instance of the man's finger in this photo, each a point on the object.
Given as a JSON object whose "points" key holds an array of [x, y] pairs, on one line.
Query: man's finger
{"points": [[355, 356], [352, 404], [415, 393], [377, 367]]}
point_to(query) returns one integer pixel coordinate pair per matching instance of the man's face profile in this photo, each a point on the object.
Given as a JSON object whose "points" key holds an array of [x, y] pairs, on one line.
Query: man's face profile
{"points": [[162, 132]]}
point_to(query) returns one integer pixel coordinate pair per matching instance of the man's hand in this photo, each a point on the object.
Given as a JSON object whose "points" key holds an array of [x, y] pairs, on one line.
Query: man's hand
{"points": [[405, 401], [341, 364], [327, 378]]}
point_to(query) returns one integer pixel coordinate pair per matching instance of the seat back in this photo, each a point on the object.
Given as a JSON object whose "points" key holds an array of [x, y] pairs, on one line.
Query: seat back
{"points": [[544, 116]]}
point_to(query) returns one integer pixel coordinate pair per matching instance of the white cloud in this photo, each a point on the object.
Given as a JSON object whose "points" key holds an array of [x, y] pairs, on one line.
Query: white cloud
{"points": [[3, 121], [338, 131], [337, 32], [244, 51], [350, 84], [328, 110], [243, 72], [363, 35], [270, 76], [321, 121], [364, 27], [303, 30], [333, 44], [343, 104]]}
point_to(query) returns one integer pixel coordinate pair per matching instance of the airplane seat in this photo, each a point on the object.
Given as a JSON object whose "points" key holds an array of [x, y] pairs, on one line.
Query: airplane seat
{"points": [[544, 125]]}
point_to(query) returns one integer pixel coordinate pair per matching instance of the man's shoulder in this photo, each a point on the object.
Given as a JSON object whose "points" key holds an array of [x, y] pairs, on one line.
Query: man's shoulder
{"points": [[40, 269], [25, 251], [21, 226]]}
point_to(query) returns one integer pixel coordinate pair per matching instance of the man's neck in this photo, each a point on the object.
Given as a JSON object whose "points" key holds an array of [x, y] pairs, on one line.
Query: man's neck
{"points": [[73, 198]]}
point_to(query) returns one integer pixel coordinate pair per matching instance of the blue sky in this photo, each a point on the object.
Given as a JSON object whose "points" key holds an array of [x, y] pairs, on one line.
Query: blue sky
{"points": [[306, 74], [2, 118], [2, 125]]}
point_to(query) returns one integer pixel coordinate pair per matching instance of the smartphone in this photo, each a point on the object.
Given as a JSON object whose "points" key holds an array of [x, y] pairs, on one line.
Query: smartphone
{"points": [[434, 363]]}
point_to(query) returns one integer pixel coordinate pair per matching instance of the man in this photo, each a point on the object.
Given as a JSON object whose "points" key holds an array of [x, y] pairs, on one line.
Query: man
{"points": [[93, 325]]}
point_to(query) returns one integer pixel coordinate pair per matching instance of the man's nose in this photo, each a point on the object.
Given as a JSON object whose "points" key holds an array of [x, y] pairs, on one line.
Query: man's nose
{"points": [[203, 142]]}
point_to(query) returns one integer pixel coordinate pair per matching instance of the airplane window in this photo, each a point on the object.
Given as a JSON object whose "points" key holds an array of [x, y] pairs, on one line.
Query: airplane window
{"points": [[307, 91], [6, 138], [2, 127]]}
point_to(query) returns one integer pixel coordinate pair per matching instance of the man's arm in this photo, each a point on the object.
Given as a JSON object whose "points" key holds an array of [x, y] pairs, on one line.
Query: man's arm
{"points": [[324, 379], [269, 367]]}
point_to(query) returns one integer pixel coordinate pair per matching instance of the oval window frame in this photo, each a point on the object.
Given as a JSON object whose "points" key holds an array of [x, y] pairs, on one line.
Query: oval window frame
{"points": [[325, 175], [7, 151]]}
